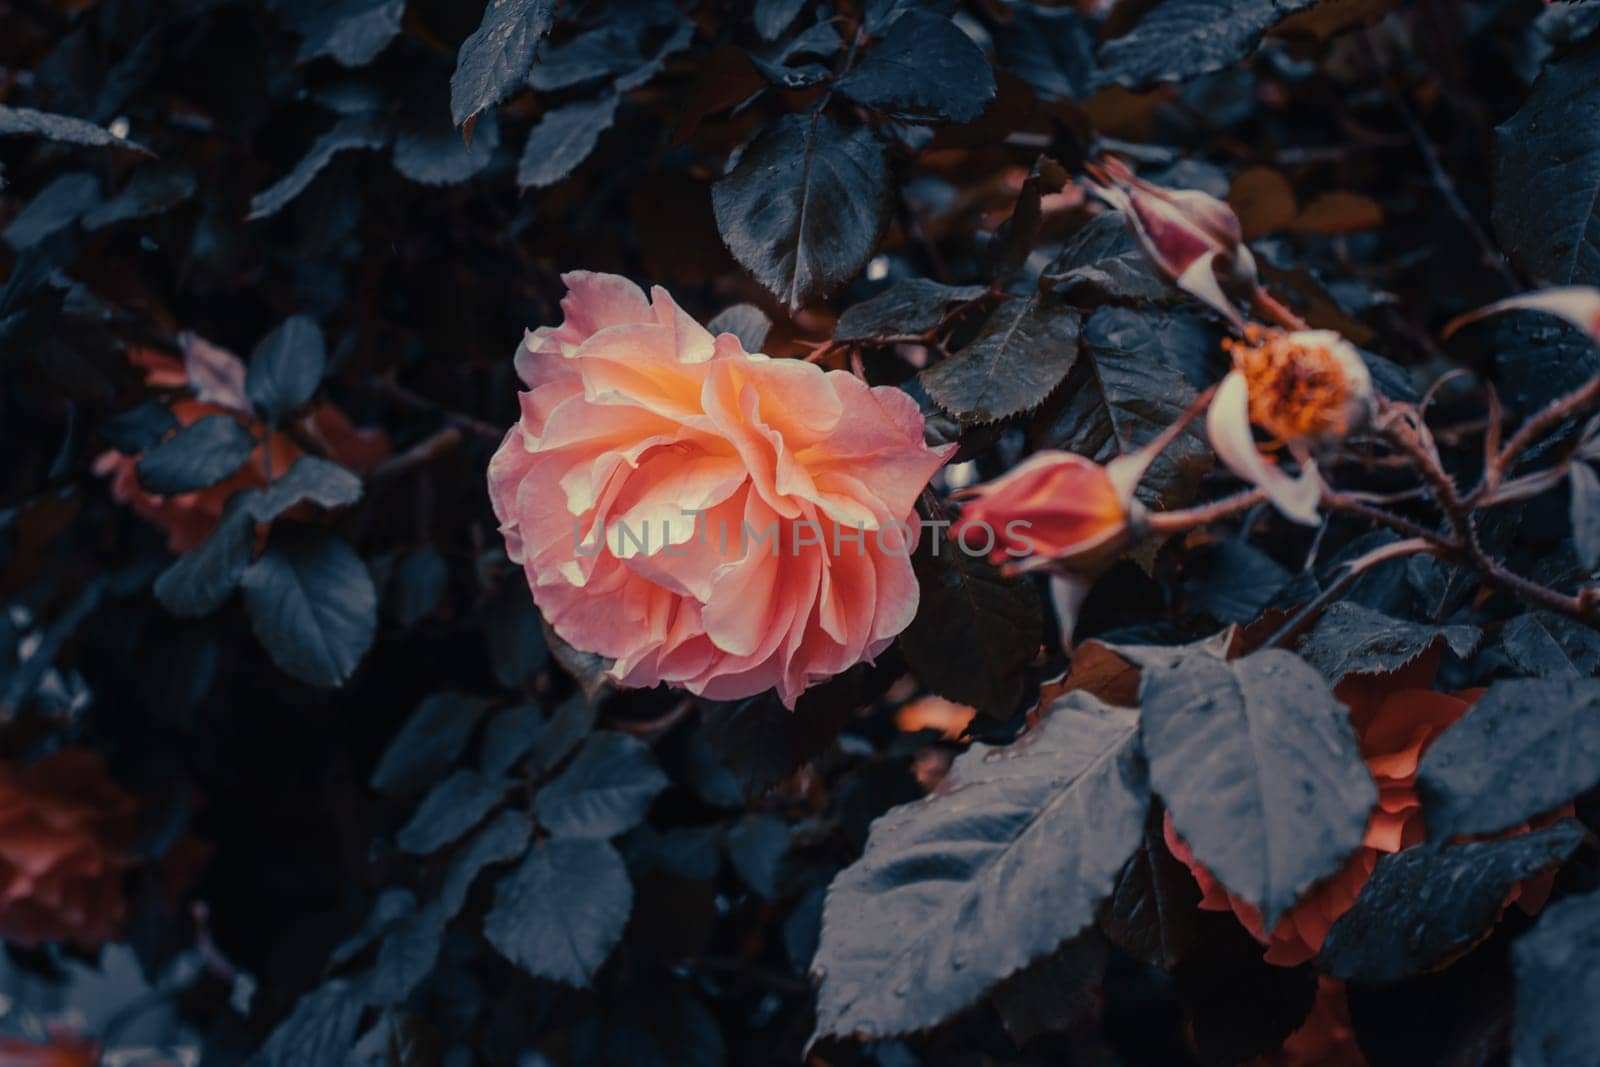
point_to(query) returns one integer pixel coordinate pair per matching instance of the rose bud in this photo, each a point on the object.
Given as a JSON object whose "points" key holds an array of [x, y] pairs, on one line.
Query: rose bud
{"points": [[703, 516], [1578, 304], [1193, 239], [1057, 506], [1304, 389]]}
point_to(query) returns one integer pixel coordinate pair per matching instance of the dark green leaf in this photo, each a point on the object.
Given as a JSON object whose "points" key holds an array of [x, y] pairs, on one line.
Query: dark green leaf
{"points": [[950, 894], [1152, 912], [757, 845], [1052, 49], [1008, 250], [570, 724], [515, 638], [772, 17], [312, 604], [351, 132], [803, 208], [1547, 175], [1540, 357], [1425, 904], [351, 31], [318, 1032], [199, 455], [200, 581], [905, 309], [389, 907], [406, 956], [563, 139], [498, 54], [508, 737], [428, 744], [607, 50], [1351, 639], [924, 70], [1182, 39], [975, 631], [746, 322], [450, 809], [1259, 767], [419, 583], [131, 432], [1557, 966], [312, 478], [504, 838], [52, 209], [286, 367], [1546, 645], [1102, 253], [427, 149], [1057, 994], [64, 128], [605, 791], [154, 188], [559, 913], [1024, 351], [759, 741], [1127, 387], [1237, 583], [1529, 745]]}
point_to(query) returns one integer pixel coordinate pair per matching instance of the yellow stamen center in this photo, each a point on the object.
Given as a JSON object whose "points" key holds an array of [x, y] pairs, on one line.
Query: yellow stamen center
{"points": [[1297, 391]]}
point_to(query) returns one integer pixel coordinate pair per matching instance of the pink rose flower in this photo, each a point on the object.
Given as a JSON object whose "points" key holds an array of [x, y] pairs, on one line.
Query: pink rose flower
{"points": [[704, 516]]}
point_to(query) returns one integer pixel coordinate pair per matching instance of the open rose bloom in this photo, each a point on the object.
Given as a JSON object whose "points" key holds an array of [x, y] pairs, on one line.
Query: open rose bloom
{"points": [[701, 515], [1304, 389]]}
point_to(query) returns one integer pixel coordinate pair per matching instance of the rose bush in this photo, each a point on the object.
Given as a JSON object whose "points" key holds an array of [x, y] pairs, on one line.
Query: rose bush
{"points": [[1094, 561]]}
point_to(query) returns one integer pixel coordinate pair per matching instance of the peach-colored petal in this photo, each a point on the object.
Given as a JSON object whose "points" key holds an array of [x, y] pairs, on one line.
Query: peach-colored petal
{"points": [[1578, 304], [1228, 426], [692, 511]]}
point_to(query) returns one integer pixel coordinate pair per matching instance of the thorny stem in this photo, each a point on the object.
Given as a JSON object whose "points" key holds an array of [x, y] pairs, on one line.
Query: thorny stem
{"points": [[1278, 312], [1542, 422], [1164, 523]]}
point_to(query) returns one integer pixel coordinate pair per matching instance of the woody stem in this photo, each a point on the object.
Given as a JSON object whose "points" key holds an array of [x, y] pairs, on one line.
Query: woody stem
{"points": [[1542, 422], [1279, 313]]}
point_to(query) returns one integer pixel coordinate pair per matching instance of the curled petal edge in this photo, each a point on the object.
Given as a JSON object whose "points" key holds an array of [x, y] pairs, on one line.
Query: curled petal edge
{"points": [[1577, 304], [1228, 427]]}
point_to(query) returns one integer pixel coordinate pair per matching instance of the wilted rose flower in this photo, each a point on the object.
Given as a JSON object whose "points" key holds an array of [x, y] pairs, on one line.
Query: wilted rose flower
{"points": [[1056, 505], [704, 516], [1578, 304], [65, 831], [214, 379], [1192, 238], [1396, 716], [1304, 389]]}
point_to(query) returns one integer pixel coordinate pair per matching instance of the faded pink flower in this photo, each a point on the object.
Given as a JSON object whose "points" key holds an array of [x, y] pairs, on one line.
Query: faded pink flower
{"points": [[704, 516]]}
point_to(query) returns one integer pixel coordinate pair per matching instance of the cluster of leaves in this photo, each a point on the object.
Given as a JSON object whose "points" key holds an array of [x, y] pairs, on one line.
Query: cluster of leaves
{"points": [[440, 836]]}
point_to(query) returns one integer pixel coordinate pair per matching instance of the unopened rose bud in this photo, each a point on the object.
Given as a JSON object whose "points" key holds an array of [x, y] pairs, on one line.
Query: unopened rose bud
{"points": [[1056, 506], [1578, 304], [1192, 238], [1305, 389]]}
